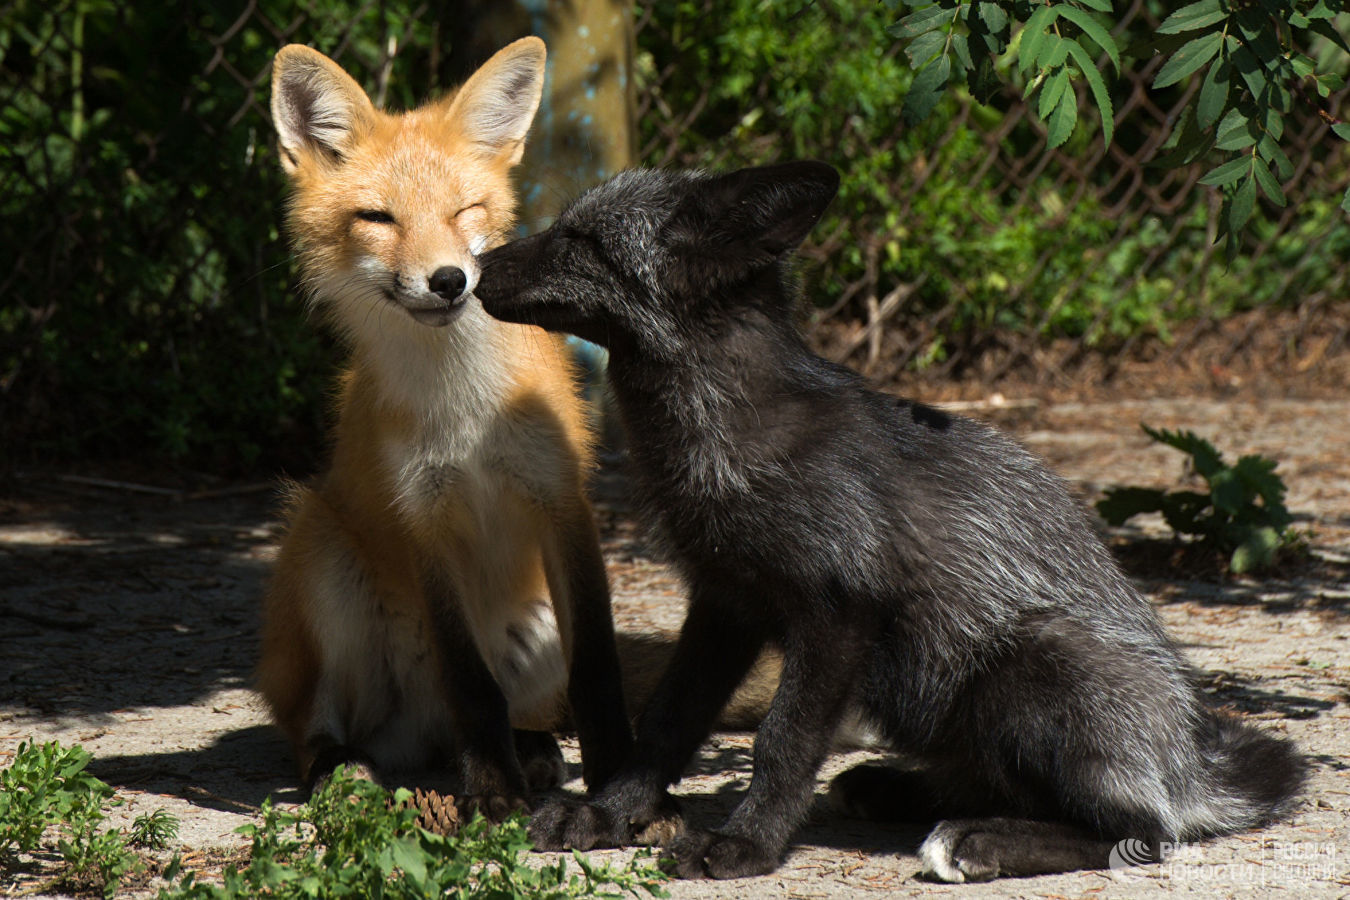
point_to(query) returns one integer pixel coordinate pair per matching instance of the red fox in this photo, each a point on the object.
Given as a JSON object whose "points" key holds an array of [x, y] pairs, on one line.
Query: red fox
{"points": [[442, 581]]}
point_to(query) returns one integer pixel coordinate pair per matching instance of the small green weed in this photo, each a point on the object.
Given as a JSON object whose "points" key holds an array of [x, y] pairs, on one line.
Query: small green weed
{"points": [[355, 839], [1242, 515], [154, 830], [47, 785], [96, 859]]}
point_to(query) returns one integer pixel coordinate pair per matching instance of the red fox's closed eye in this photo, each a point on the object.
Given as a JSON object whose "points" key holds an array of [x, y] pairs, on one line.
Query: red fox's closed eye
{"points": [[471, 218], [377, 216]]}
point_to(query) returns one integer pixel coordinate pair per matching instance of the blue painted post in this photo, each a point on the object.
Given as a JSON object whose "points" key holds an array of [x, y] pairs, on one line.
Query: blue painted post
{"points": [[584, 131]]}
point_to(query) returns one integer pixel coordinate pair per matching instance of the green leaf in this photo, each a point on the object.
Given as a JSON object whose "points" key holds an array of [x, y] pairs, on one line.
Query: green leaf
{"points": [[1328, 31], [926, 90], [1250, 68], [1227, 173], [1341, 130], [1098, 87], [1227, 492], [1269, 185], [1034, 35], [993, 16], [1321, 10], [1054, 51], [1234, 132], [1098, 5], [1256, 552], [1213, 94], [984, 82], [1051, 92], [1302, 65], [1121, 504], [1257, 34], [1328, 82], [1204, 456], [407, 855], [1274, 124], [1345, 201], [917, 23], [1192, 17], [1093, 29], [1184, 512], [1244, 202], [1270, 150], [961, 47], [1062, 120], [924, 47], [1192, 55], [1258, 473]]}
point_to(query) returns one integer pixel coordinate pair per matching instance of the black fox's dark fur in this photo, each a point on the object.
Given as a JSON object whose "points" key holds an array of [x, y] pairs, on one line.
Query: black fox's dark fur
{"points": [[911, 562]]}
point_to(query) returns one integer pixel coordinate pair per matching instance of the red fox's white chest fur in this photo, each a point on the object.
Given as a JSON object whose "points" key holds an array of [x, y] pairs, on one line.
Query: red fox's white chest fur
{"points": [[442, 581]]}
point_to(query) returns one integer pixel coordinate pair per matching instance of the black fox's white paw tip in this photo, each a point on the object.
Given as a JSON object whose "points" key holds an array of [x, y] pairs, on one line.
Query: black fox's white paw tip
{"points": [[948, 856]]}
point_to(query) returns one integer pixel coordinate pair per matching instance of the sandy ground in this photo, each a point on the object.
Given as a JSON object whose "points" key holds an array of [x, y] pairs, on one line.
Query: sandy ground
{"points": [[128, 626]]}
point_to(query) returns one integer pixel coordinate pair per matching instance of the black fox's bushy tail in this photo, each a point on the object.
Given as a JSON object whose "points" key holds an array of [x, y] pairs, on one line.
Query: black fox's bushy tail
{"points": [[1254, 778]]}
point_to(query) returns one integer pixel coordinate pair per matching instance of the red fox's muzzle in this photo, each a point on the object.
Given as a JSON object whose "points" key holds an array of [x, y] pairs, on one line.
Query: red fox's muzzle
{"points": [[446, 298]]}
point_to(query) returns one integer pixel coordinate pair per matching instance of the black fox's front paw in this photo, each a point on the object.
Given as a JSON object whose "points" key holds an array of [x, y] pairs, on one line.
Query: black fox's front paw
{"points": [[567, 825], [563, 825], [496, 808], [707, 854]]}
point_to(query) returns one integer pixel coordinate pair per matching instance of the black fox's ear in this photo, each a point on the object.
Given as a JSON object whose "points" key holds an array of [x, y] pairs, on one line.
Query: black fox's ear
{"points": [[773, 208], [316, 106]]}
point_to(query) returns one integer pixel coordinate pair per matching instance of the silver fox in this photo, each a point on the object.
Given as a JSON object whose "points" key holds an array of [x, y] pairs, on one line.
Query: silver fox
{"points": [[916, 564]]}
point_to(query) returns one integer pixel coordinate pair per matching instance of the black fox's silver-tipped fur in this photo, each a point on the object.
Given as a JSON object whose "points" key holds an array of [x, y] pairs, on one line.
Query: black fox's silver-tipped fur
{"points": [[911, 562]]}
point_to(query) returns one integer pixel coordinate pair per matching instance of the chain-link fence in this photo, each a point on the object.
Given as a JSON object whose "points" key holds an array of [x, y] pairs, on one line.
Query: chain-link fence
{"points": [[148, 303], [1124, 273]]}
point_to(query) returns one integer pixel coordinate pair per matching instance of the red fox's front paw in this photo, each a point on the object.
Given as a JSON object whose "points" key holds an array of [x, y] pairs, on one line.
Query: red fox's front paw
{"points": [[706, 854]]}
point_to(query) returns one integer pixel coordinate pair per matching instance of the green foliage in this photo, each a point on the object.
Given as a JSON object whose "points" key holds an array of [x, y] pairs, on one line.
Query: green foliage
{"points": [[1259, 59], [354, 839], [1241, 515], [47, 785], [824, 79]]}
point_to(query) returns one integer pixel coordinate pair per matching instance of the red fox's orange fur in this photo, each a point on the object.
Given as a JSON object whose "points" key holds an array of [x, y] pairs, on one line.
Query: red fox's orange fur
{"points": [[409, 616]]}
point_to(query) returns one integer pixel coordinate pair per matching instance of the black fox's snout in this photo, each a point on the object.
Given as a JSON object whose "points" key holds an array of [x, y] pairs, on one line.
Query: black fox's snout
{"points": [[505, 272], [614, 263]]}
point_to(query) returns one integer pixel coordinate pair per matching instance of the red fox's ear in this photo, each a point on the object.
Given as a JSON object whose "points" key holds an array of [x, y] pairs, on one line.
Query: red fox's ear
{"points": [[495, 107], [316, 106]]}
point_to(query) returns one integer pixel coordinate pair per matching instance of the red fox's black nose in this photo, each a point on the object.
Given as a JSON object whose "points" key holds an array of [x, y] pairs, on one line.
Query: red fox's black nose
{"points": [[448, 282]]}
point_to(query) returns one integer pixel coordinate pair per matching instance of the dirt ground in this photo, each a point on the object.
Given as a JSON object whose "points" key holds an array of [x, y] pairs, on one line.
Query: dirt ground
{"points": [[128, 625]]}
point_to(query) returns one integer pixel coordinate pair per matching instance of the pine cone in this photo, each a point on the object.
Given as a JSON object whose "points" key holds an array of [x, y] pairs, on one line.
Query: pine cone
{"points": [[435, 811]]}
